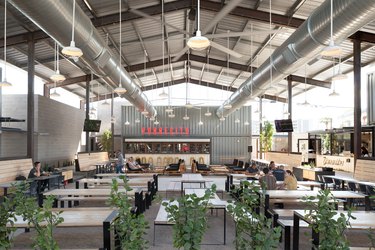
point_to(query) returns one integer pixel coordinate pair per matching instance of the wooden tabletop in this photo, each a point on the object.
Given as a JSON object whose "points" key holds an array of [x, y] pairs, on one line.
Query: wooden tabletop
{"points": [[77, 218], [364, 219], [111, 175], [83, 192], [296, 194], [214, 202], [134, 181]]}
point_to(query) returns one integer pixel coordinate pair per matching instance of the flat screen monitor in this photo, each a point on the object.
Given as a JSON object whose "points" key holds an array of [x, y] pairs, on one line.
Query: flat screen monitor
{"points": [[92, 125], [285, 125]]}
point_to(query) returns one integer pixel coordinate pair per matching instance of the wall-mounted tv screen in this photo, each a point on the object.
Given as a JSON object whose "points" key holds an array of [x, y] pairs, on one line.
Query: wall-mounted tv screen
{"points": [[284, 125], [92, 125]]}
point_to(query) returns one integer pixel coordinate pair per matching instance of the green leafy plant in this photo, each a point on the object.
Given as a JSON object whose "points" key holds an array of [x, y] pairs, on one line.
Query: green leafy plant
{"points": [[129, 227], [106, 140], [6, 217], [189, 215], [321, 212], [253, 229], [266, 136], [43, 219]]}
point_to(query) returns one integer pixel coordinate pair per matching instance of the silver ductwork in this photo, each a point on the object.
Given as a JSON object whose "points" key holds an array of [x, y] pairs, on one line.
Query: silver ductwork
{"points": [[303, 45], [55, 18]]}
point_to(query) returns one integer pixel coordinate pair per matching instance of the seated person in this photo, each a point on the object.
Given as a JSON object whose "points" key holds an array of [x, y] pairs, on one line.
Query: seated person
{"points": [[290, 181], [35, 172], [272, 166], [253, 169], [279, 173], [133, 165], [268, 180]]}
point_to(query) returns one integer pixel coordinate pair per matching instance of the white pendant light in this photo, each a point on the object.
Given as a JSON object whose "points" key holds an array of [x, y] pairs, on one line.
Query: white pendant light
{"points": [[305, 103], [156, 122], [186, 117], [208, 113], [169, 110], [188, 105], [54, 93], [339, 75], [200, 123], [152, 118], [163, 94], [198, 42], [127, 123], [332, 50], [237, 120], [72, 51], [4, 82], [57, 77], [333, 93], [137, 120], [246, 123], [228, 106], [222, 118], [171, 115], [120, 90], [144, 112], [105, 103]]}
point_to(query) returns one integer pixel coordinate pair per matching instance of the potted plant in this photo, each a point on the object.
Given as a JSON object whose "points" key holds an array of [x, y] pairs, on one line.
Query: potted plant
{"points": [[130, 228], [6, 217], [321, 211], [106, 141], [253, 229], [266, 136], [188, 213]]}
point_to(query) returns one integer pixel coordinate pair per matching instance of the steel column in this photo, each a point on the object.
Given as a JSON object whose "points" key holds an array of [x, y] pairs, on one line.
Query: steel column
{"points": [[30, 97], [87, 112], [357, 98], [260, 128], [290, 112]]}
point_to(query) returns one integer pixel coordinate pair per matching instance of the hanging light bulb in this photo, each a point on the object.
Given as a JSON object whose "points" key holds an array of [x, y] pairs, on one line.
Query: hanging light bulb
{"points": [[200, 123], [120, 90], [152, 118], [222, 118], [237, 120], [188, 105], [137, 120], [339, 75], [144, 112], [54, 93], [156, 122], [332, 50], [127, 123], [163, 94], [198, 42], [57, 77], [169, 110], [72, 51], [4, 82], [246, 123], [171, 115], [105, 103], [186, 117], [208, 113]]}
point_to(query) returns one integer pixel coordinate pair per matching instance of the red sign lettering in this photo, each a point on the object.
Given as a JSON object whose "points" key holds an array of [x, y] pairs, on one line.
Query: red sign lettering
{"points": [[165, 131]]}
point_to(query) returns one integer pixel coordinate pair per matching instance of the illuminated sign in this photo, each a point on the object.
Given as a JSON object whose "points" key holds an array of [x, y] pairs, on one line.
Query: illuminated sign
{"points": [[165, 131]]}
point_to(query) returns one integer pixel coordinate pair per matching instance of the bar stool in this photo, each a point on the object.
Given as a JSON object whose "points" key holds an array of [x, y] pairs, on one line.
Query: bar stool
{"points": [[143, 159], [176, 159], [165, 161], [201, 160], [159, 162], [150, 160]]}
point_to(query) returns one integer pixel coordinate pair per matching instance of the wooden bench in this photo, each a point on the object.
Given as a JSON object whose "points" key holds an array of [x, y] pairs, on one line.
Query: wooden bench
{"points": [[162, 218], [10, 169], [88, 162]]}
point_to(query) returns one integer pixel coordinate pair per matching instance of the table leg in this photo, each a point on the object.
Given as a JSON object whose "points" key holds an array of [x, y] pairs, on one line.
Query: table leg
{"points": [[315, 238], [266, 203], [295, 232], [367, 203], [225, 227]]}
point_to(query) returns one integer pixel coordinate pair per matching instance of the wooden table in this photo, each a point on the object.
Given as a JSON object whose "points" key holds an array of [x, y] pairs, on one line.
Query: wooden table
{"points": [[114, 175], [192, 178], [138, 182], [295, 194], [364, 220], [75, 194], [215, 203], [82, 218], [6, 185]]}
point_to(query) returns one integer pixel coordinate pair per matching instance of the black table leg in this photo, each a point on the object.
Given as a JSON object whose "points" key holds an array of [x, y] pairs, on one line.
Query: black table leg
{"points": [[295, 232]]}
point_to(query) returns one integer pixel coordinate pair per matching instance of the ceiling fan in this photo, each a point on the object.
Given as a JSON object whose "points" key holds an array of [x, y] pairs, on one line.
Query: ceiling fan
{"points": [[198, 33]]}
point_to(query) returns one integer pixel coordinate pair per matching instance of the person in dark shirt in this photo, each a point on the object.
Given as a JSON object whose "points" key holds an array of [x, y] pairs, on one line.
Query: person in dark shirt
{"points": [[253, 169], [34, 173], [279, 173]]}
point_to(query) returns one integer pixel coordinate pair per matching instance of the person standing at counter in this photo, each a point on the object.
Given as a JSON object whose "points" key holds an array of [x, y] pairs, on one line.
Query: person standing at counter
{"points": [[120, 162], [290, 181], [364, 151]]}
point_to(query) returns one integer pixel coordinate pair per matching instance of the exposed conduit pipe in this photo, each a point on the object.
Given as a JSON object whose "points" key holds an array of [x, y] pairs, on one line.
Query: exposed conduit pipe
{"points": [[54, 17], [304, 45]]}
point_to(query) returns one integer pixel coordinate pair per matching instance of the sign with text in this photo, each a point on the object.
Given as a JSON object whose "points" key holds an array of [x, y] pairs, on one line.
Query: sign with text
{"points": [[165, 131]]}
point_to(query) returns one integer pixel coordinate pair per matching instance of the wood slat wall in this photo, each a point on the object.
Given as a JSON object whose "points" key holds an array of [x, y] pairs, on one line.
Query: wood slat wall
{"points": [[12, 168], [365, 170], [87, 161], [291, 160]]}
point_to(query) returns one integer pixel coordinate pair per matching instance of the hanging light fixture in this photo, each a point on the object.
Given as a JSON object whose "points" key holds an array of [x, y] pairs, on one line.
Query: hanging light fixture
{"points": [[163, 94], [200, 123], [4, 82], [54, 93], [339, 75], [57, 77], [144, 112], [171, 115], [127, 123], [222, 118], [208, 113], [152, 118], [186, 117], [72, 51], [198, 42], [137, 120], [120, 90], [156, 122], [333, 93], [332, 50], [305, 103], [169, 109], [246, 123], [271, 88]]}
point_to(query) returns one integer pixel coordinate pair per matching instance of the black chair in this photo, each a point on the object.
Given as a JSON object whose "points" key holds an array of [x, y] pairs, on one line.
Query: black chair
{"points": [[234, 164], [362, 188], [371, 193], [172, 167], [241, 166], [203, 167], [338, 184], [352, 186], [328, 182]]}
